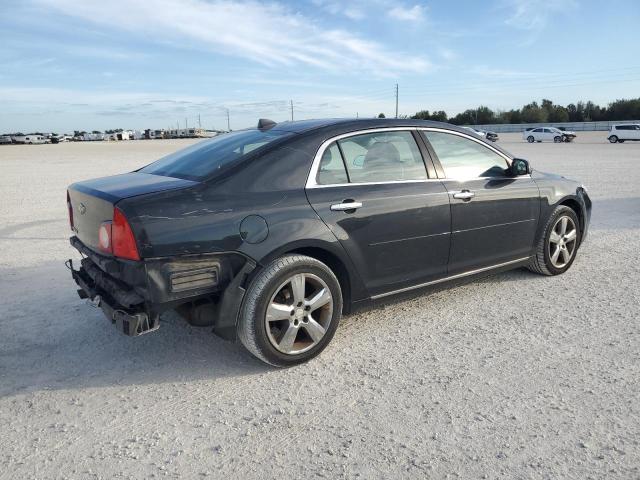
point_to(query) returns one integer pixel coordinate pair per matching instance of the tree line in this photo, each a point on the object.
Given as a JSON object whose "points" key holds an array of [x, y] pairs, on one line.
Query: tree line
{"points": [[546, 112]]}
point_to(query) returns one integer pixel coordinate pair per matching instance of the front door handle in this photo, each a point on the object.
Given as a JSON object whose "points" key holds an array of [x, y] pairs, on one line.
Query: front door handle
{"points": [[464, 195], [345, 206]]}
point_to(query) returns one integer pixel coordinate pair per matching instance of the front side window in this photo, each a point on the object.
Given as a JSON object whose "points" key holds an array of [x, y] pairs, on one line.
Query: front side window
{"points": [[383, 157], [462, 158]]}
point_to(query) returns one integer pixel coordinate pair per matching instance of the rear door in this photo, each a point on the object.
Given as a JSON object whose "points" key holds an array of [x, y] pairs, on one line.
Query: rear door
{"points": [[538, 134], [372, 190], [493, 216]]}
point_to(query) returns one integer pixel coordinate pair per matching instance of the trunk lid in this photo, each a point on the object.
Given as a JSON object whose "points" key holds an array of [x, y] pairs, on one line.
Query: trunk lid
{"points": [[92, 201]]}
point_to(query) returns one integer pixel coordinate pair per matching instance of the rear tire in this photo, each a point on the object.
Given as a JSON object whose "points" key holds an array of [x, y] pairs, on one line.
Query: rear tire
{"points": [[613, 139], [558, 246], [530, 139], [291, 311]]}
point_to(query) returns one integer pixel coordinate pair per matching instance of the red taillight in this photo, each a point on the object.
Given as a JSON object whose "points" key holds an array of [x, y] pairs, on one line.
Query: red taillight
{"points": [[70, 209], [122, 240]]}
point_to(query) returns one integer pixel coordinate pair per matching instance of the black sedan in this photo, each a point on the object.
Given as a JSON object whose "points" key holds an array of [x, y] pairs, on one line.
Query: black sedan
{"points": [[269, 235]]}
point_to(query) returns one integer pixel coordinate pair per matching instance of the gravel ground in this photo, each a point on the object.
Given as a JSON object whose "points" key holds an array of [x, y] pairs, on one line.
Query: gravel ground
{"points": [[514, 376]]}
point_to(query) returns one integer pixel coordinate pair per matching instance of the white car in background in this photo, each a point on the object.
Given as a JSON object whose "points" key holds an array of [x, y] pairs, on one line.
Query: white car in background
{"points": [[620, 133], [544, 134], [491, 136]]}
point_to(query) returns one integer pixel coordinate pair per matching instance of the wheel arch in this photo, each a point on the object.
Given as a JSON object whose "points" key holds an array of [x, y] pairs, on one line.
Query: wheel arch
{"points": [[574, 205], [331, 255]]}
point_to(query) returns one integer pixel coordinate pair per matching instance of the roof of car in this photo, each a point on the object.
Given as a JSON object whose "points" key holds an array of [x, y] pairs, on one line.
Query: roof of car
{"points": [[332, 126], [357, 123]]}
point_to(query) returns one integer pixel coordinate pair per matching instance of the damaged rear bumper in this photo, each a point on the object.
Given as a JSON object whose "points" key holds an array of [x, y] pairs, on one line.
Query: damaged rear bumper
{"points": [[132, 294], [131, 319]]}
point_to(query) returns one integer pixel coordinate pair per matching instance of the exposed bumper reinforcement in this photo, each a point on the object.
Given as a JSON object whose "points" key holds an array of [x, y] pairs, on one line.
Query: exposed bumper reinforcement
{"points": [[130, 321]]}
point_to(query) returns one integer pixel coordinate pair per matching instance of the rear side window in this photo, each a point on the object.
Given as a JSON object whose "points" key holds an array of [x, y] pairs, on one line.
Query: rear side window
{"points": [[331, 170], [383, 157], [206, 158]]}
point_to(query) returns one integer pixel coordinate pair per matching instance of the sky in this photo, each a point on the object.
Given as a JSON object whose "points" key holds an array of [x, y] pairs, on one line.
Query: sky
{"points": [[93, 65]]}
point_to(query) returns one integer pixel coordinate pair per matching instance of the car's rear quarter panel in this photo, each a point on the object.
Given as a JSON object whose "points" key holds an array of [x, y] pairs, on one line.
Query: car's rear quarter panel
{"points": [[206, 218]]}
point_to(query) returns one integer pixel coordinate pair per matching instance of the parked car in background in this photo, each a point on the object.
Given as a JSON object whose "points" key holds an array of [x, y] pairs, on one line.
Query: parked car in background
{"points": [[546, 134], [622, 133], [5, 140], [492, 136], [270, 234], [567, 135]]}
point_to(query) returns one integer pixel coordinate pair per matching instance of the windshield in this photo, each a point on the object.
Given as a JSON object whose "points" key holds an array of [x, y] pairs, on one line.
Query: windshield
{"points": [[205, 158]]}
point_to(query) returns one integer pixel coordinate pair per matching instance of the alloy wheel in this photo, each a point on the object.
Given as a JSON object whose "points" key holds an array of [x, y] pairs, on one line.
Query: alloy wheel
{"points": [[562, 242], [299, 313]]}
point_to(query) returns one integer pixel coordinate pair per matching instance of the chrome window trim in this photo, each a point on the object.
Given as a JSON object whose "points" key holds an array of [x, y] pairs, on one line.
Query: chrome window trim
{"points": [[313, 173]]}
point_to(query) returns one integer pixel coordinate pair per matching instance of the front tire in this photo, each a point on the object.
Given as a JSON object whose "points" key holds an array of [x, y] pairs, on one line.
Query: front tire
{"points": [[557, 139], [557, 248], [613, 139], [530, 139], [291, 311]]}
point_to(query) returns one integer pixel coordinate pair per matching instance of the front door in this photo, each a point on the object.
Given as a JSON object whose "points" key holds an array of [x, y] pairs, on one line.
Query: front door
{"points": [[373, 192], [493, 216]]}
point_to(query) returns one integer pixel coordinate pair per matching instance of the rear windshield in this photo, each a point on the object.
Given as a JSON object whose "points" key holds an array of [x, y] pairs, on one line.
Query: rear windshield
{"points": [[206, 158]]}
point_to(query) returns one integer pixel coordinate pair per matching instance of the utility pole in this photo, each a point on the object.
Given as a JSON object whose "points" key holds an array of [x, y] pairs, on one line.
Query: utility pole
{"points": [[199, 122], [228, 122], [185, 124], [396, 100], [291, 109]]}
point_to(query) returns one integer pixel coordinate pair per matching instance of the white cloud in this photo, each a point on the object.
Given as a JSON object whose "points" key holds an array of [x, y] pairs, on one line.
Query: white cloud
{"points": [[447, 54], [352, 10], [534, 16], [408, 14], [271, 34]]}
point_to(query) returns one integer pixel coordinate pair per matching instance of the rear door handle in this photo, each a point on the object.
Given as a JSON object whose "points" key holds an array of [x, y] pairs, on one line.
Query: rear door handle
{"points": [[464, 195], [344, 206]]}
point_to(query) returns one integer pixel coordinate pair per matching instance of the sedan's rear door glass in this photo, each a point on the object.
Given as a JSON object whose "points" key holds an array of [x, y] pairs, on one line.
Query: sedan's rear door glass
{"points": [[383, 157], [331, 170]]}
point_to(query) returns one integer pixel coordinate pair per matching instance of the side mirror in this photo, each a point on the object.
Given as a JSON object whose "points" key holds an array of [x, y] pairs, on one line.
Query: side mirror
{"points": [[519, 166]]}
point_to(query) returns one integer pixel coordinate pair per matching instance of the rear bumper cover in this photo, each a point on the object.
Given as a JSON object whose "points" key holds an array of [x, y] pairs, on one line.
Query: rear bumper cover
{"points": [[133, 294]]}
